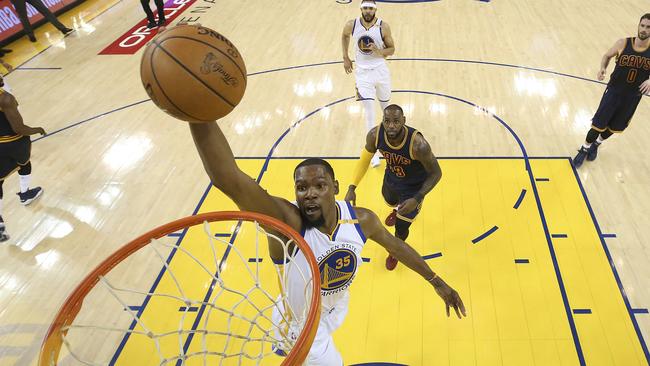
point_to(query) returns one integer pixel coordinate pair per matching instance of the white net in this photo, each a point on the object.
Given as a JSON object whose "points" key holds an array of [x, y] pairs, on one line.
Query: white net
{"points": [[218, 300]]}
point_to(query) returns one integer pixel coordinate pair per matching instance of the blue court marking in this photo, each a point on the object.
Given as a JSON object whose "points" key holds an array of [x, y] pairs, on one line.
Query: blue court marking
{"points": [[175, 235], [522, 261], [91, 119], [582, 311], [431, 256], [255, 260], [542, 180], [475, 62], [192, 309], [640, 311], [520, 199], [608, 236], [639, 334], [37, 68], [559, 236], [156, 282], [366, 260], [222, 235], [134, 308], [485, 234]]}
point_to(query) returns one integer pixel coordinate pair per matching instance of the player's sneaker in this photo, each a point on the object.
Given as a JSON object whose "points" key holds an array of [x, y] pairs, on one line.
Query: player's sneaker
{"points": [[580, 158], [30, 195], [391, 262], [592, 153], [391, 219]]}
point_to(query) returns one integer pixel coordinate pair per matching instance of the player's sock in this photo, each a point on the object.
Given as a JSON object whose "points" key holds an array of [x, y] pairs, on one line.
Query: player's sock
{"points": [[384, 105], [24, 180], [369, 113]]}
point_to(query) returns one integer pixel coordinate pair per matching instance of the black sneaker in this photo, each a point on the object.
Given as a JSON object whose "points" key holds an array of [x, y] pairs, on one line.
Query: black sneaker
{"points": [[592, 154], [580, 158], [31, 37], [30, 195], [3, 233], [151, 25], [161, 22]]}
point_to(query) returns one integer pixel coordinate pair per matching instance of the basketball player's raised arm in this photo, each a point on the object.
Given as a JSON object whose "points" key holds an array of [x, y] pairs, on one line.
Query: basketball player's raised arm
{"points": [[362, 165], [422, 153], [612, 52], [373, 229], [345, 40], [9, 105], [224, 173]]}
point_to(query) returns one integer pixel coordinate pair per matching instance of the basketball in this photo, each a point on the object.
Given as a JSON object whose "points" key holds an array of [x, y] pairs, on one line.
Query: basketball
{"points": [[193, 73]]}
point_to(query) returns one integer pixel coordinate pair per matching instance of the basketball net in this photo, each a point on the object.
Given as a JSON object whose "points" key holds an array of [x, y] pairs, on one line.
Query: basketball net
{"points": [[218, 300]]}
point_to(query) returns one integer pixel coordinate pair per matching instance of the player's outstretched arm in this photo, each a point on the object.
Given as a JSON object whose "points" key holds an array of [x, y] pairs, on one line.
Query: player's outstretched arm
{"points": [[373, 229], [362, 165], [224, 173]]}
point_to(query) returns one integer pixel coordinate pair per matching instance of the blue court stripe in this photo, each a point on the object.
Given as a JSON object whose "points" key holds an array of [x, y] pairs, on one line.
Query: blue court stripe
{"points": [[612, 265], [191, 308], [255, 260], [175, 235], [366, 260], [37, 68], [134, 308], [520, 199], [542, 179], [485, 235], [608, 235], [559, 236], [431, 256], [582, 311], [522, 261], [640, 311], [222, 235]]}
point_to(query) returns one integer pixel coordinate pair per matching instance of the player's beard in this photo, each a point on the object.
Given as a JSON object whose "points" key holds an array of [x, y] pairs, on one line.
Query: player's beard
{"points": [[311, 223], [368, 17], [643, 38]]}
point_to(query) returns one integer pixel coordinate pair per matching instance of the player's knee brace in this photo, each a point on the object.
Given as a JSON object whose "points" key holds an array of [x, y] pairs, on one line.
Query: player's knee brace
{"points": [[606, 134], [592, 135], [25, 169], [402, 229]]}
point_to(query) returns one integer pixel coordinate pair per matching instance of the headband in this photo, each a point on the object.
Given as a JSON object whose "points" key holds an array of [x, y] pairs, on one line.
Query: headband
{"points": [[368, 4]]}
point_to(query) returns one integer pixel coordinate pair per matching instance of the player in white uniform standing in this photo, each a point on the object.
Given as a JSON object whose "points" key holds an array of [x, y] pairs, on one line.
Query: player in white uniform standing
{"points": [[373, 42], [334, 230]]}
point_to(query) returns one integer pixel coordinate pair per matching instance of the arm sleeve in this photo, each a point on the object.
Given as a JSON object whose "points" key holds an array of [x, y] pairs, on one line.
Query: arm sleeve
{"points": [[362, 166]]}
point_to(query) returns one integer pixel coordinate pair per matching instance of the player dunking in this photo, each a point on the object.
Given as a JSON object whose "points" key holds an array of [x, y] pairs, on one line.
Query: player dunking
{"points": [[626, 86], [329, 227], [411, 170], [373, 42], [15, 151]]}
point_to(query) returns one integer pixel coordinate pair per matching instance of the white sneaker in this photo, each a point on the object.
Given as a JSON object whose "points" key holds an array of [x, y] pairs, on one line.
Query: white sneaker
{"points": [[375, 161]]}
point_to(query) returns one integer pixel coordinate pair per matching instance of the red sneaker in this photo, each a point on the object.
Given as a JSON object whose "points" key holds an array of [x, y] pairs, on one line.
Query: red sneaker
{"points": [[391, 262], [391, 219]]}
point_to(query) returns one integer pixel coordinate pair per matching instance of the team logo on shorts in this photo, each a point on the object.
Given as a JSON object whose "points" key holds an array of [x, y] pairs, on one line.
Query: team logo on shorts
{"points": [[337, 269], [364, 44]]}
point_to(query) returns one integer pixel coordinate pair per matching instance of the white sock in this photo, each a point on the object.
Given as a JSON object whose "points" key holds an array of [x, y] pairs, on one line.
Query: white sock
{"points": [[600, 140], [369, 113], [384, 105], [24, 182], [586, 145]]}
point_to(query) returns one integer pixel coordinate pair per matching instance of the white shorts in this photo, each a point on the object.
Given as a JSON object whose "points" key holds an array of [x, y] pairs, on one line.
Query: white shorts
{"points": [[373, 83], [323, 351]]}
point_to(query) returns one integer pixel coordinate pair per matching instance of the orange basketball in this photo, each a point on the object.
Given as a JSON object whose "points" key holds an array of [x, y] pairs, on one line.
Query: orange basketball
{"points": [[193, 73]]}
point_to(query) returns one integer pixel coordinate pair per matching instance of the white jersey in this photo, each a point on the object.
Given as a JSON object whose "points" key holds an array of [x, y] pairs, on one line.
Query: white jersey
{"points": [[338, 256], [362, 39]]}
